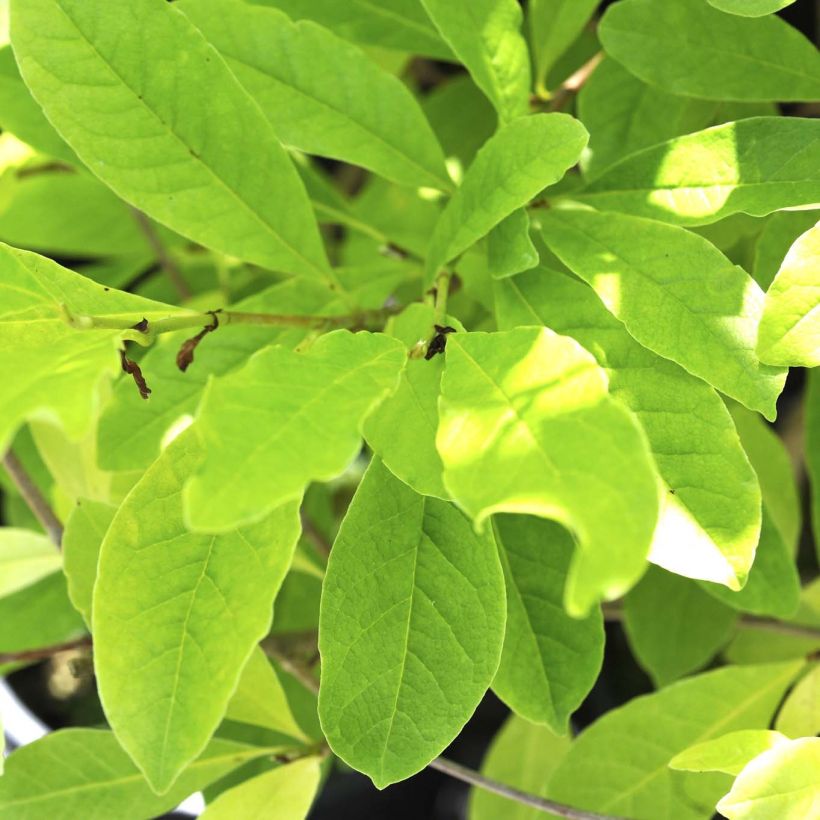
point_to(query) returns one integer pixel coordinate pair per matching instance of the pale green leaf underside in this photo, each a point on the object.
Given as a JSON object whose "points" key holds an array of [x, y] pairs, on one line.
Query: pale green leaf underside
{"points": [[620, 765], [176, 615], [84, 773], [48, 369], [728, 753], [527, 426], [286, 793], [25, 558], [709, 526], [676, 294], [689, 48], [412, 624], [321, 94], [204, 164], [300, 420], [781, 782], [754, 166], [750, 8], [550, 661], [515, 165], [790, 327]]}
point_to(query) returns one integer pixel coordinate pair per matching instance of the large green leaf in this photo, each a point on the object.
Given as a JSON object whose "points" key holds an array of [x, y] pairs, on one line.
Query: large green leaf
{"points": [[411, 628], [781, 782], [728, 753], [25, 558], [522, 755], [689, 48], [177, 614], [753, 166], [48, 369], [790, 327], [624, 115], [321, 94], [486, 36], [301, 421], [84, 773], [286, 793], [710, 517], [750, 8], [203, 164], [654, 277], [527, 426], [673, 626], [550, 661], [620, 765], [516, 164]]}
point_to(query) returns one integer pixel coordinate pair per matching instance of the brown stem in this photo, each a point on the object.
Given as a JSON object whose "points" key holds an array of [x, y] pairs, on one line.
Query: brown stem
{"points": [[448, 767], [168, 265], [574, 83], [34, 498], [290, 663], [45, 651]]}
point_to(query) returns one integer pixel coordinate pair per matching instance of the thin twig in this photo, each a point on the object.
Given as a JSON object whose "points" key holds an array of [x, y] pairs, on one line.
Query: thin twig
{"points": [[45, 651], [34, 498], [441, 764], [290, 664], [166, 262], [574, 83]]}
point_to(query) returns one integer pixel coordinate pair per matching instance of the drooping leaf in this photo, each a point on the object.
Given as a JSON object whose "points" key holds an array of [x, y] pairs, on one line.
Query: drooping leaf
{"points": [[710, 516], [674, 627], [308, 412], [85, 773], [321, 94], [652, 277], [790, 327], [25, 558], [177, 614], [689, 48], [527, 426], [779, 233], [522, 755], [699, 178], [522, 159], [550, 660], [780, 783], [510, 249], [287, 792], [486, 37], [625, 115], [750, 8], [203, 164], [411, 628], [49, 369], [650, 730], [799, 715], [728, 753]]}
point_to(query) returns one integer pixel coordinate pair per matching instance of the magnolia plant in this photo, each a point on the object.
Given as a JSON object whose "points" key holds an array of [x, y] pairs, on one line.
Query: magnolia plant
{"points": [[359, 358]]}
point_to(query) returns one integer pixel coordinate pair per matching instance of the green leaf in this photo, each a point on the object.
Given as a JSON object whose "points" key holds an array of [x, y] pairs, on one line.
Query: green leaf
{"points": [[527, 426], [260, 700], [509, 247], [411, 628], [308, 411], [700, 178], [85, 773], [779, 783], [779, 233], [750, 8], [812, 450], [550, 661], [652, 277], [553, 26], [37, 344], [84, 532], [728, 753], [486, 37], [402, 429], [710, 517], [522, 755], [674, 627], [176, 615], [87, 63], [522, 159], [790, 327], [25, 558], [689, 48], [625, 115], [290, 789], [398, 24], [800, 714], [649, 731], [323, 95]]}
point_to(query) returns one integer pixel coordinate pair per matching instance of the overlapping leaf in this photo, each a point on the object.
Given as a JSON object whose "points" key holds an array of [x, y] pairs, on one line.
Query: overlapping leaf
{"points": [[728, 753], [25, 558], [750, 8]]}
